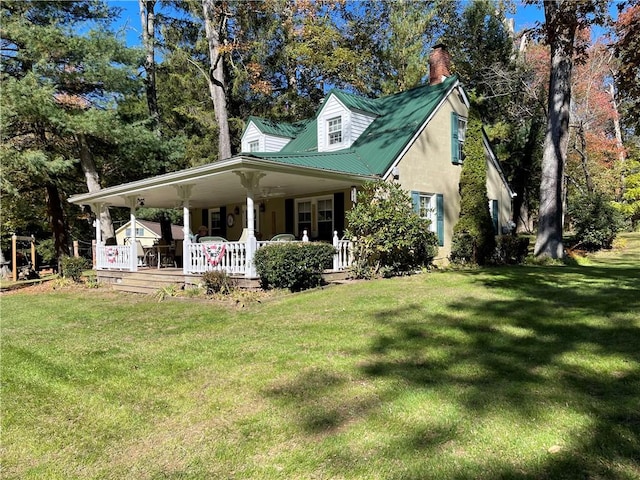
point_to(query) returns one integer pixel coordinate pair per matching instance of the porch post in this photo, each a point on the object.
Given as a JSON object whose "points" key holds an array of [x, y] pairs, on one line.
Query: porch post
{"points": [[97, 209], [250, 181], [132, 203], [184, 193]]}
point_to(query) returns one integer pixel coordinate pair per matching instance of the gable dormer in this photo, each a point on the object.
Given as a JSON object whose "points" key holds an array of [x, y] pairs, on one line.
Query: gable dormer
{"points": [[262, 135], [341, 120]]}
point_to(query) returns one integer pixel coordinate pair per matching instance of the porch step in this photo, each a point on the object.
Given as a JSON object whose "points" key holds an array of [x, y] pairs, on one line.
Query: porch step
{"points": [[146, 281]]}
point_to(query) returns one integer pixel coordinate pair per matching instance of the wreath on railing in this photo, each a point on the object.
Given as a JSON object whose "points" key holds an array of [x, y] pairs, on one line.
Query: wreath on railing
{"points": [[214, 252], [111, 255]]}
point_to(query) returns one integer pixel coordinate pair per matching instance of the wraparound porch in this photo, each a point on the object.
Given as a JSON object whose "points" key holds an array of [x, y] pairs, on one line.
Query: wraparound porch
{"points": [[234, 258]]}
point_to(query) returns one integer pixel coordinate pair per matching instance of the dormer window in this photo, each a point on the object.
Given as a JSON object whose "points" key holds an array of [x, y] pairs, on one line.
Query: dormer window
{"points": [[254, 146], [334, 130]]}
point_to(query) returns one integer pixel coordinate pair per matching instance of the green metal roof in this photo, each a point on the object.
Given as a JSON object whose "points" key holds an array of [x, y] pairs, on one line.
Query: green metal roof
{"points": [[399, 117], [345, 161], [280, 129]]}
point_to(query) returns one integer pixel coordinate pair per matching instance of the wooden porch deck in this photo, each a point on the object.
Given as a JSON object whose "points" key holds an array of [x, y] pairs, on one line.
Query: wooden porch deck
{"points": [[150, 280]]}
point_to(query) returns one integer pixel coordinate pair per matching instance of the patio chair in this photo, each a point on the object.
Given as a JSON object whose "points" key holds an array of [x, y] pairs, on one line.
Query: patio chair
{"points": [[212, 240], [283, 237]]}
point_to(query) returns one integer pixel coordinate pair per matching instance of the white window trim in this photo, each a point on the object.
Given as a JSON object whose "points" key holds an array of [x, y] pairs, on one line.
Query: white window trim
{"points": [[433, 209], [329, 127], [462, 136], [314, 218], [256, 144], [221, 220]]}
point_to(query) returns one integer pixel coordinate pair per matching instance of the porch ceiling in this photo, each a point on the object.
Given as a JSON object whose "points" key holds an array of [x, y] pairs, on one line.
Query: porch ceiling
{"points": [[219, 183]]}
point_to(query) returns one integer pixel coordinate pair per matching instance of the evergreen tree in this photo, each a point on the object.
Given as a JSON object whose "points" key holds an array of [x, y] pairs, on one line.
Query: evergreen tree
{"points": [[60, 126], [473, 235]]}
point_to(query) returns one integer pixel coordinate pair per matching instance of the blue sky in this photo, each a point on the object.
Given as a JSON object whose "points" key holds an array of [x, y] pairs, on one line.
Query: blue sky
{"points": [[525, 17]]}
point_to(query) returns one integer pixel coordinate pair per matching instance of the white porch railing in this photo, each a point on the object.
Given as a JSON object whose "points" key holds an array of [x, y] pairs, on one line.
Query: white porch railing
{"points": [[230, 257], [113, 257], [344, 253]]}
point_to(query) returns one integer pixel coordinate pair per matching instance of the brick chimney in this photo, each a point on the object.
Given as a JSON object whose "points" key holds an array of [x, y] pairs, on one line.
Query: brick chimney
{"points": [[439, 64]]}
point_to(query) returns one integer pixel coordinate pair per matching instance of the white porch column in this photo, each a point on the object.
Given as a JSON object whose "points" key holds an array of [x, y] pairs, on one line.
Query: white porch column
{"points": [[96, 208], [250, 181], [132, 203], [184, 193]]}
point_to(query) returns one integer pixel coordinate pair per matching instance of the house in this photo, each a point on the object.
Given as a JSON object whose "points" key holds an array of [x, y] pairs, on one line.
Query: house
{"points": [[301, 178], [148, 233]]}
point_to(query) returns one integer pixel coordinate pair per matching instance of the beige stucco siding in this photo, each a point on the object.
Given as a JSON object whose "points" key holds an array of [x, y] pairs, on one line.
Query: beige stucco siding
{"points": [[496, 190], [426, 166]]}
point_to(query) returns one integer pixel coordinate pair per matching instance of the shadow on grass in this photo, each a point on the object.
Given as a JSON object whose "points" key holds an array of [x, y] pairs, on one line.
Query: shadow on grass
{"points": [[539, 341], [564, 338]]}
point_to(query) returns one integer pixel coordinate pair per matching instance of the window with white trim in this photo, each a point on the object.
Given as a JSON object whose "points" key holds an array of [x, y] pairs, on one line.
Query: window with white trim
{"points": [[462, 131], [325, 218], [215, 219], [139, 232], [334, 131], [427, 209], [254, 146], [304, 217]]}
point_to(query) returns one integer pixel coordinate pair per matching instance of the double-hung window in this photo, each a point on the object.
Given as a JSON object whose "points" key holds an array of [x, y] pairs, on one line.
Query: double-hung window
{"points": [[334, 131], [254, 146], [458, 135], [325, 218], [427, 209], [304, 217], [431, 207]]}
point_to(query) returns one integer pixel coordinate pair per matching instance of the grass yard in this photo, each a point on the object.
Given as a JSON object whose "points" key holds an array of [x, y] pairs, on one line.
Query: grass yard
{"points": [[508, 373]]}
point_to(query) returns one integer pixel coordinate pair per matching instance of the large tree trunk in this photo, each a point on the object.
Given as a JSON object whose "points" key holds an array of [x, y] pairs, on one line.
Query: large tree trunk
{"points": [[214, 23], [93, 184], [561, 22], [58, 224], [618, 132], [147, 19]]}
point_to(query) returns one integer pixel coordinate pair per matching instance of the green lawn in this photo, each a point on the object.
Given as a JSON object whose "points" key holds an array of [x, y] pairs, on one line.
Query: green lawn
{"points": [[521, 372]]}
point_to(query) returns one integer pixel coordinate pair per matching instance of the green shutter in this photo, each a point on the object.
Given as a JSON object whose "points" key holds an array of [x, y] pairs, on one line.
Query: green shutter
{"points": [[288, 216], [440, 218], [455, 158], [415, 199], [494, 215]]}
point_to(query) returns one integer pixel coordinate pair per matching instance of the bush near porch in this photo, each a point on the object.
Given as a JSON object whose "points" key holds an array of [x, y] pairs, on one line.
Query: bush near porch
{"points": [[293, 265], [390, 238]]}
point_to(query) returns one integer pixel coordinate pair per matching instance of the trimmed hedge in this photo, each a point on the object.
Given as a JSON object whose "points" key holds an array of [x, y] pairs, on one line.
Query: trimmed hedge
{"points": [[293, 265]]}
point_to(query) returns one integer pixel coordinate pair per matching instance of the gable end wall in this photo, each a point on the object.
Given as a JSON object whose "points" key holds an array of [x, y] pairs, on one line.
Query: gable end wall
{"points": [[426, 167]]}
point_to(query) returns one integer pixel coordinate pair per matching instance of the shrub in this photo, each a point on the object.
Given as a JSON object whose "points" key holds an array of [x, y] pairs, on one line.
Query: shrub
{"points": [[72, 267], [595, 221], [293, 265], [218, 282], [473, 236], [511, 250], [390, 238]]}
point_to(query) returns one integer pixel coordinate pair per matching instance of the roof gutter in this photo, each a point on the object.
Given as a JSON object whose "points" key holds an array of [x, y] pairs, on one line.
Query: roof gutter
{"points": [[236, 163]]}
